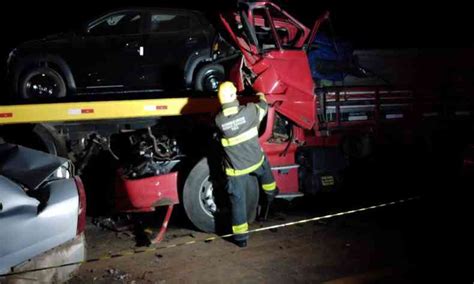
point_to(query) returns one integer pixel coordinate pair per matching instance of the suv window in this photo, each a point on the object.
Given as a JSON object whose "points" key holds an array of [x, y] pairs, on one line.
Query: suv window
{"points": [[162, 22], [117, 24]]}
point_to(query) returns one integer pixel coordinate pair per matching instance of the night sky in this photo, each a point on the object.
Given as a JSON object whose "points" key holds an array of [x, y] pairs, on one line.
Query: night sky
{"points": [[381, 24]]}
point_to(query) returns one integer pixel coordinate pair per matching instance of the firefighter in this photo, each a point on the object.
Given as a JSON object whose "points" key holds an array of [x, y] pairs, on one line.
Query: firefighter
{"points": [[243, 155]]}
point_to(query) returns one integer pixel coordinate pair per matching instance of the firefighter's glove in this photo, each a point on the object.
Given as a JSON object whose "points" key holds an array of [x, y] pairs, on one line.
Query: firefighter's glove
{"points": [[261, 96]]}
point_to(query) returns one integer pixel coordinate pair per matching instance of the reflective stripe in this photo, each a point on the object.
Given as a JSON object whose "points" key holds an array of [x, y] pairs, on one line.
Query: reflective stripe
{"points": [[233, 172], [247, 135], [261, 113], [269, 186], [240, 229], [230, 111]]}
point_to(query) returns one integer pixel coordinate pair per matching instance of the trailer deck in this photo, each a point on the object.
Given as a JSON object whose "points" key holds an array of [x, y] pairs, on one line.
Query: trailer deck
{"points": [[104, 110]]}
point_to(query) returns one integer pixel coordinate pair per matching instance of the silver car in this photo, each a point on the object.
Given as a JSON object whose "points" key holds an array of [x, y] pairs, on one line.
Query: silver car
{"points": [[42, 215]]}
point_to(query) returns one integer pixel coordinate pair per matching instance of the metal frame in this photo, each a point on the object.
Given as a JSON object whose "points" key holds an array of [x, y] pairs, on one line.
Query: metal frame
{"points": [[103, 110]]}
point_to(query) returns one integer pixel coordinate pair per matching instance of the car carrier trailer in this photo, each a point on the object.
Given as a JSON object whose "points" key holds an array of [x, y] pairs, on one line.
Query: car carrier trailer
{"points": [[154, 130], [166, 148]]}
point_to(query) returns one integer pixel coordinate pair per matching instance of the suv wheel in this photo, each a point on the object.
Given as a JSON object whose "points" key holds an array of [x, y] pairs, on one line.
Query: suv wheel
{"points": [[209, 77], [42, 82]]}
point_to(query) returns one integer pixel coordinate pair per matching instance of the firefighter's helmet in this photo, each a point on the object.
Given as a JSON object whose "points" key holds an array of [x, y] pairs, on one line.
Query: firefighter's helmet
{"points": [[227, 92]]}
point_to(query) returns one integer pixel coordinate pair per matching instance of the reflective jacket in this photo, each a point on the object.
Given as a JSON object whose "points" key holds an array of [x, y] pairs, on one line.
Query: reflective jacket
{"points": [[239, 125]]}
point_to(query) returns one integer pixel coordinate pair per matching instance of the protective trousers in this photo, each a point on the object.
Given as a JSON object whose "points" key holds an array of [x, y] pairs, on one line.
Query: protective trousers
{"points": [[238, 187]]}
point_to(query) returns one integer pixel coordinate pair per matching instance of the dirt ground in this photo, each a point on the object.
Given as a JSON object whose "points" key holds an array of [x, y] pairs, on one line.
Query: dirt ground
{"points": [[381, 246], [422, 241]]}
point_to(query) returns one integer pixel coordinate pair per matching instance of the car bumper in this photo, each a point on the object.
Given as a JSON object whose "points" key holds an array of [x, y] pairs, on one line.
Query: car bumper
{"points": [[73, 251]]}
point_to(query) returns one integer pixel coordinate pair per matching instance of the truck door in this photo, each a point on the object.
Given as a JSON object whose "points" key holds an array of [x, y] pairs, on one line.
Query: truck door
{"points": [[272, 42]]}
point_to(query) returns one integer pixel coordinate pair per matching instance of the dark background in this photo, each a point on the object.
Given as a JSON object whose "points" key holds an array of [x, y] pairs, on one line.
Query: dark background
{"points": [[381, 24]]}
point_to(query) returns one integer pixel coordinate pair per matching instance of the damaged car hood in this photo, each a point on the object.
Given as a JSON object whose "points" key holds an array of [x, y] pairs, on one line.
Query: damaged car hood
{"points": [[27, 166]]}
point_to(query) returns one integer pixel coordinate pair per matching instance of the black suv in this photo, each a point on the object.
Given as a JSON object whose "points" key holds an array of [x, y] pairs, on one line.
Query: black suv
{"points": [[124, 51]]}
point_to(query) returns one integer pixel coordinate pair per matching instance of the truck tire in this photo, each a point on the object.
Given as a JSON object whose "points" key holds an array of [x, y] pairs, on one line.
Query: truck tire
{"points": [[51, 141], [208, 77], [41, 137], [201, 205], [42, 82]]}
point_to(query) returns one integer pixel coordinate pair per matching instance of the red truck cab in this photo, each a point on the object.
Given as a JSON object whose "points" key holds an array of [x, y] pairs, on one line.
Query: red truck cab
{"points": [[320, 121]]}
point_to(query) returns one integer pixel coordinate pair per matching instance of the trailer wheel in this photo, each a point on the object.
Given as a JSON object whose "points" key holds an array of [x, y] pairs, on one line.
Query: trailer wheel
{"points": [[50, 139], [41, 137], [204, 200]]}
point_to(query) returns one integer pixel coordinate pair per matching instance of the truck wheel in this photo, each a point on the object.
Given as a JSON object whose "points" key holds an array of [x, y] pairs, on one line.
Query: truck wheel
{"points": [[41, 137], [49, 140], [204, 207], [42, 82], [209, 77]]}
